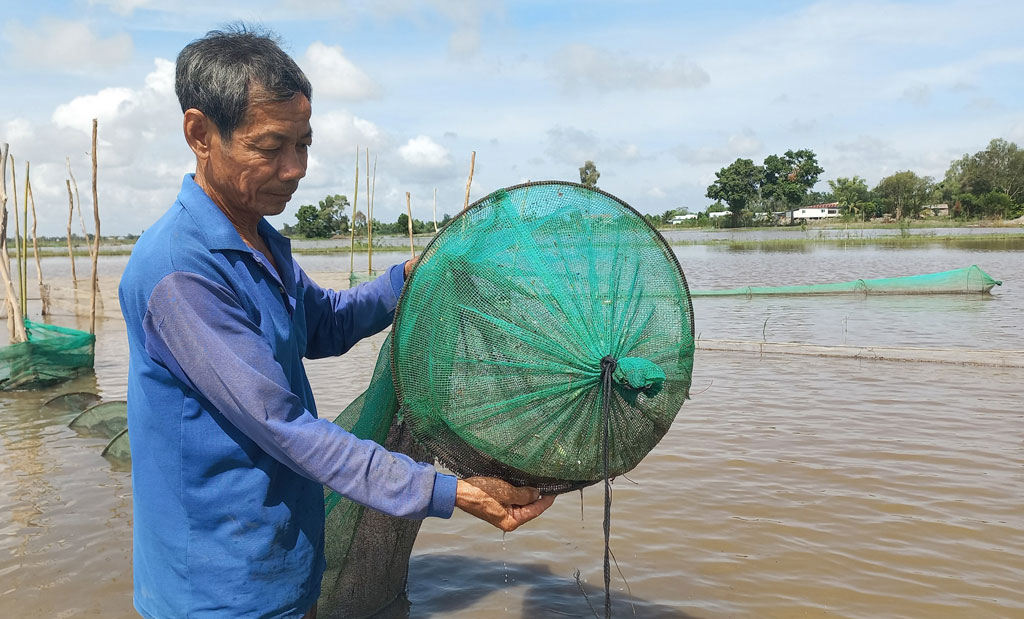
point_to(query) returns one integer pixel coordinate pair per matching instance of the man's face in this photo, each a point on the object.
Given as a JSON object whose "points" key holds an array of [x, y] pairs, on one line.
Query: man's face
{"points": [[258, 169]]}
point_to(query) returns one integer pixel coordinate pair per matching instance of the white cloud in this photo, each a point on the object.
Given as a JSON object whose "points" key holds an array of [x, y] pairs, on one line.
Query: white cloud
{"points": [[335, 76], [573, 146], [423, 152], [121, 7], [744, 145], [918, 94], [104, 105], [584, 66], [65, 45]]}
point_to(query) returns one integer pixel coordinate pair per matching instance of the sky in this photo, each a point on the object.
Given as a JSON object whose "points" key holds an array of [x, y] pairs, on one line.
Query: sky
{"points": [[660, 95]]}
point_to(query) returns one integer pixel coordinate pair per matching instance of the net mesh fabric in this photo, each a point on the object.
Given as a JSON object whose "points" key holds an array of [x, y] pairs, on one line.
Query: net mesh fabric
{"points": [[501, 330], [968, 280], [52, 354], [368, 551]]}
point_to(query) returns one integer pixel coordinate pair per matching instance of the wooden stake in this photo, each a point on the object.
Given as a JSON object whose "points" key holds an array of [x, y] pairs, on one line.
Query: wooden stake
{"points": [[435, 210], [24, 247], [16, 326], [44, 297], [469, 182], [352, 228], [96, 237], [408, 210], [71, 250], [373, 199], [78, 203], [369, 214]]}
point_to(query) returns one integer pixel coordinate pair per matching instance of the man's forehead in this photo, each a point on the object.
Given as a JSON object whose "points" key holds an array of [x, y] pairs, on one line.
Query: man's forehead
{"points": [[278, 118]]}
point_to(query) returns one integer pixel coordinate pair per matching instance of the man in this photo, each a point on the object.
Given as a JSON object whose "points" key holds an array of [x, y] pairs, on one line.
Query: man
{"points": [[228, 454]]}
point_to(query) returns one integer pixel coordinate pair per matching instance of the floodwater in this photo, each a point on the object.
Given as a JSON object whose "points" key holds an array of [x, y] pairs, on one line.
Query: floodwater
{"points": [[787, 487]]}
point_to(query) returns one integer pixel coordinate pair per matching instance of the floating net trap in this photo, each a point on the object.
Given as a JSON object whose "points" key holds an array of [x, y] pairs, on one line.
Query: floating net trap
{"points": [[52, 354], [545, 338]]}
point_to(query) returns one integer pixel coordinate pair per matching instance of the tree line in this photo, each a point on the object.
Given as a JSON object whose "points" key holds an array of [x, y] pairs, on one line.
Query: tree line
{"points": [[987, 184]]}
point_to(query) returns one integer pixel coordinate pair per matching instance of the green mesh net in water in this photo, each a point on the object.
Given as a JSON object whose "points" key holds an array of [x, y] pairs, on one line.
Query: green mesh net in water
{"points": [[969, 280], [52, 354], [502, 329], [546, 338]]}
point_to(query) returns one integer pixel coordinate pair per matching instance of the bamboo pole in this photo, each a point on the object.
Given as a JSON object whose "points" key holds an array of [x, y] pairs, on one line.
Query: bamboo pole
{"points": [[24, 246], [71, 250], [17, 229], [44, 297], [370, 223], [5, 258], [435, 210], [469, 181], [16, 325], [352, 228], [373, 198], [408, 210], [78, 202], [96, 236]]}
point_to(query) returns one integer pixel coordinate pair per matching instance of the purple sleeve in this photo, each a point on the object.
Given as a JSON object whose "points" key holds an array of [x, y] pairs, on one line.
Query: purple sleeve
{"points": [[199, 331], [337, 319]]}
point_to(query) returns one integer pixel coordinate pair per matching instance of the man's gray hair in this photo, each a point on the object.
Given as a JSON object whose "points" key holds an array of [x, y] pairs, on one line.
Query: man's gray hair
{"points": [[224, 72]]}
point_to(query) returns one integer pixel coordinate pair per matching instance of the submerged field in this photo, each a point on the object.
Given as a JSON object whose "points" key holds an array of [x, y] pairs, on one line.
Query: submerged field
{"points": [[788, 486]]}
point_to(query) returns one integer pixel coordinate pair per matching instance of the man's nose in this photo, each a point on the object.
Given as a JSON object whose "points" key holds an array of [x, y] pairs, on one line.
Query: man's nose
{"points": [[293, 166]]}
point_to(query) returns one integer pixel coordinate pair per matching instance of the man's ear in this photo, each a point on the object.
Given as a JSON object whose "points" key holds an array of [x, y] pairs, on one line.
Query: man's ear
{"points": [[199, 132]]}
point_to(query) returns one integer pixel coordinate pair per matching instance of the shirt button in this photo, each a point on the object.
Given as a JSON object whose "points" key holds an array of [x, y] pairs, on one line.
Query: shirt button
{"points": [[257, 259]]}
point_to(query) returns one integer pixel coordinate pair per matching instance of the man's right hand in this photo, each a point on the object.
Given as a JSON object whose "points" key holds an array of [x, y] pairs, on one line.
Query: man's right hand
{"points": [[500, 503]]}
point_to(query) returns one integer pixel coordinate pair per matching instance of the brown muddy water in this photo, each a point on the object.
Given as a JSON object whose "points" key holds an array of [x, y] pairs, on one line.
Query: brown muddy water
{"points": [[788, 486]]}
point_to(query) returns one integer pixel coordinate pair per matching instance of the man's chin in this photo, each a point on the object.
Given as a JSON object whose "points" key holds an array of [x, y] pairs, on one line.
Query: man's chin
{"points": [[275, 204]]}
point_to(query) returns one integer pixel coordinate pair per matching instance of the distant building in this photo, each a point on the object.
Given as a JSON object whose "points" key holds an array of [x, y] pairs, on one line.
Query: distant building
{"points": [[678, 219], [814, 211], [938, 210], [719, 214]]}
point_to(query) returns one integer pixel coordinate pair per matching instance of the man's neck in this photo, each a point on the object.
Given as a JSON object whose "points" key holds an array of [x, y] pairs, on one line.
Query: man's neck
{"points": [[245, 223]]}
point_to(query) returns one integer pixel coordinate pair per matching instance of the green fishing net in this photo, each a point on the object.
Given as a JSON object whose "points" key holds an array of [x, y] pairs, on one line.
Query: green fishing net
{"points": [[368, 551], [519, 316], [502, 329], [52, 354], [968, 280], [105, 419]]}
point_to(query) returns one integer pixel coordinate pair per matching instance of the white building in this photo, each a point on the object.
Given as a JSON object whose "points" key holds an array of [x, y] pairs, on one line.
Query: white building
{"points": [[815, 211], [678, 219]]}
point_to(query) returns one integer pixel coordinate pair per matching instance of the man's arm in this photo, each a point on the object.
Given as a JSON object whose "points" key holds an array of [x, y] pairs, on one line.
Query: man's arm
{"points": [[337, 319], [199, 331]]}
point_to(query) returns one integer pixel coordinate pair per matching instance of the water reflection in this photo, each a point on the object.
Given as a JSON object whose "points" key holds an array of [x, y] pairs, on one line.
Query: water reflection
{"points": [[446, 585]]}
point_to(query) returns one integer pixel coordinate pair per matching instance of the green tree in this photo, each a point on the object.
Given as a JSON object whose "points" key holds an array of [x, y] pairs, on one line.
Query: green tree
{"points": [[853, 196], [788, 178], [325, 220], [589, 174], [904, 193], [999, 168], [737, 186]]}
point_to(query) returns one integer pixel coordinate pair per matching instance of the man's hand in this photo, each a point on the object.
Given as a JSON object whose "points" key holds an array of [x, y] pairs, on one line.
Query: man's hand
{"points": [[500, 503], [410, 265]]}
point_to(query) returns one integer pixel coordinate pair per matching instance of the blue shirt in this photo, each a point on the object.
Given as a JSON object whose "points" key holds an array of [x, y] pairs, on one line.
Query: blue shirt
{"points": [[228, 454]]}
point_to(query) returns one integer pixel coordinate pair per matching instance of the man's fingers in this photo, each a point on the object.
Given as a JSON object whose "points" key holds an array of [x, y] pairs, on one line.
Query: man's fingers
{"points": [[504, 492], [519, 515]]}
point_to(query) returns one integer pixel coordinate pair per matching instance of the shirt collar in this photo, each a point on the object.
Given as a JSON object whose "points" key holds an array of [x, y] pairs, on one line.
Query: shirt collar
{"points": [[214, 225]]}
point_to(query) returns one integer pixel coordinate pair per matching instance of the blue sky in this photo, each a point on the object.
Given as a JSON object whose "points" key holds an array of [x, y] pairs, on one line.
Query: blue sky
{"points": [[659, 94]]}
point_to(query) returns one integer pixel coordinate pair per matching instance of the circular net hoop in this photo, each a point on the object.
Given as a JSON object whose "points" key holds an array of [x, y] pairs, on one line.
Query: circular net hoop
{"points": [[501, 330]]}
